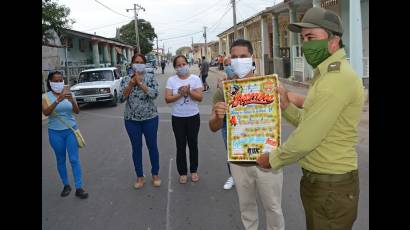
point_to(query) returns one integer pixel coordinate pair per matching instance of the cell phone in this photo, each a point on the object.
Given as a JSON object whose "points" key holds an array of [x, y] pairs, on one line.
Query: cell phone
{"points": [[67, 89]]}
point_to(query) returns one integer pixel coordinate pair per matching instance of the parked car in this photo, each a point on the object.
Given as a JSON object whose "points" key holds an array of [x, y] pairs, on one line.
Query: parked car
{"points": [[97, 85]]}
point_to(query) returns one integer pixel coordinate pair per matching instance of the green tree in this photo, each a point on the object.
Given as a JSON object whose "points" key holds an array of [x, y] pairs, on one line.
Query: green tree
{"points": [[146, 35], [54, 17]]}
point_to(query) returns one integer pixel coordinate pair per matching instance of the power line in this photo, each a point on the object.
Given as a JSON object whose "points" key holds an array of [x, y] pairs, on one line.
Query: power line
{"points": [[104, 26], [112, 10], [219, 20], [200, 12], [186, 35]]}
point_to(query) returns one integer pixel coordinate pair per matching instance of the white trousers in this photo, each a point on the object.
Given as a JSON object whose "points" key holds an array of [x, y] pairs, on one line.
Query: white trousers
{"points": [[248, 180]]}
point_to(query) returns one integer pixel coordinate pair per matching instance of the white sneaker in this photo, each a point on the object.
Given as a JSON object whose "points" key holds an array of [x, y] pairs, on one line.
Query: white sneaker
{"points": [[229, 183]]}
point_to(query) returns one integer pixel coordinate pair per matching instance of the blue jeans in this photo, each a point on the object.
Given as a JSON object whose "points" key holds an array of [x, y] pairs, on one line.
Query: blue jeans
{"points": [[63, 141], [223, 133], [149, 128]]}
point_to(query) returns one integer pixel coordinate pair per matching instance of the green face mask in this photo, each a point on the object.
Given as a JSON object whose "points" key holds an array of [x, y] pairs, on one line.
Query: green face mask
{"points": [[315, 52]]}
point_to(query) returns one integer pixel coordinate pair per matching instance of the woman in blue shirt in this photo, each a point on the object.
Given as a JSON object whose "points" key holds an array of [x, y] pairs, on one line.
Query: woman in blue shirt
{"points": [[59, 105], [139, 90]]}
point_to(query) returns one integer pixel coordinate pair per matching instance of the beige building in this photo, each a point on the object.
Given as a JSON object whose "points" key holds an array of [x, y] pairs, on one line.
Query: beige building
{"points": [[278, 51]]}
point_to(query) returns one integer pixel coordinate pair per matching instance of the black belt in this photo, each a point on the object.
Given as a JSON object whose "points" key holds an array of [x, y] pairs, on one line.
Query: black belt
{"points": [[319, 177]]}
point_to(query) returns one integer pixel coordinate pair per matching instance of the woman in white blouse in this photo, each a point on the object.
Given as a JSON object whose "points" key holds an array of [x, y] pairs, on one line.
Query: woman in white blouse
{"points": [[184, 91]]}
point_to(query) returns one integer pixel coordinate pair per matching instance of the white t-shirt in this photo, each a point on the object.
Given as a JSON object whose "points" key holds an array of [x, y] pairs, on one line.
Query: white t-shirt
{"points": [[184, 107]]}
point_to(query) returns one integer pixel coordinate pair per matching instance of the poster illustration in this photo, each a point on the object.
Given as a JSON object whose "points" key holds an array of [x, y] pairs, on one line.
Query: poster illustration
{"points": [[253, 117]]}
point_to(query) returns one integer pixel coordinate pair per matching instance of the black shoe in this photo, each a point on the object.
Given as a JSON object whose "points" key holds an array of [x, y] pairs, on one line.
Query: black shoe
{"points": [[81, 193], [66, 191]]}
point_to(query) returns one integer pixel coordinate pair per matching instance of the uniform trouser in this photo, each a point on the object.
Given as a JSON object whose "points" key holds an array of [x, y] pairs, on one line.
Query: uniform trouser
{"points": [[186, 129], [63, 141], [330, 205], [149, 128], [248, 181]]}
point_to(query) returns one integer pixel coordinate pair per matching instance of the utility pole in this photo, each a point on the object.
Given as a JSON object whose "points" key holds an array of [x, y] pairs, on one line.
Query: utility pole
{"points": [[206, 47], [136, 24], [235, 33], [157, 52]]}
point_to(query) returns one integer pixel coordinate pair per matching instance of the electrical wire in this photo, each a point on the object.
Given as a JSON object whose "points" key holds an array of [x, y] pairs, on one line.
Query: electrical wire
{"points": [[112, 9]]}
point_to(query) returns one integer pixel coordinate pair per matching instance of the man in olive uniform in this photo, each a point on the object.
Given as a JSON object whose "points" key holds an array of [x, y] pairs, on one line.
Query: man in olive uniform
{"points": [[325, 137]]}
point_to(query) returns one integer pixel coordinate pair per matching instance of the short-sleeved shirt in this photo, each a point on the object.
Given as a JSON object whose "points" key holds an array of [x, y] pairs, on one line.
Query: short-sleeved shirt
{"points": [[64, 110], [204, 68], [184, 107], [140, 106]]}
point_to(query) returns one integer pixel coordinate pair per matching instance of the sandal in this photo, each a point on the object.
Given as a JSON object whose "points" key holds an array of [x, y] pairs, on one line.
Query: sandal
{"points": [[140, 183], [183, 179], [194, 177], [156, 181]]}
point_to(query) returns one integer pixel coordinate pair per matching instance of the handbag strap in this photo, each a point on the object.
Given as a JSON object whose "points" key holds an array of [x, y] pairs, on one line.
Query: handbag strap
{"points": [[56, 114]]}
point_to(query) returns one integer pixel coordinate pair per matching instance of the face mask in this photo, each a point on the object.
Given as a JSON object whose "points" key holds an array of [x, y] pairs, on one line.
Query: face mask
{"points": [[57, 86], [183, 70], [229, 71], [315, 52], [241, 66], [138, 67]]}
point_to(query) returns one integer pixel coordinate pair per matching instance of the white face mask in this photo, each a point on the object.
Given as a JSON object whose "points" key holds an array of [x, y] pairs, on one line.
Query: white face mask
{"points": [[57, 86], [138, 67], [241, 66]]}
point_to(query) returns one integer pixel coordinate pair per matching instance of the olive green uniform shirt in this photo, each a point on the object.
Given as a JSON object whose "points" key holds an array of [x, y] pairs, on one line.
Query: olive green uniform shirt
{"points": [[326, 134]]}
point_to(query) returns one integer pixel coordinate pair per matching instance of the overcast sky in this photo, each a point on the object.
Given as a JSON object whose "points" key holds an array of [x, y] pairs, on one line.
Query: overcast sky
{"points": [[170, 18]]}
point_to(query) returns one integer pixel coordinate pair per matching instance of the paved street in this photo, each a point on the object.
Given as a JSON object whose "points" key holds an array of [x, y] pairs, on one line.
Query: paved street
{"points": [[108, 176]]}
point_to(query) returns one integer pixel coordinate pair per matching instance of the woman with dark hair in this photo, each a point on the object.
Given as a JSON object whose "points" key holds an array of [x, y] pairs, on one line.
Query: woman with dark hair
{"points": [[139, 90], [59, 105], [184, 91]]}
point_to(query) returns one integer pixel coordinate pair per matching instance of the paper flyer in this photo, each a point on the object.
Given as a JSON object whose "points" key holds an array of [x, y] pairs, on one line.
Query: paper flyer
{"points": [[253, 117]]}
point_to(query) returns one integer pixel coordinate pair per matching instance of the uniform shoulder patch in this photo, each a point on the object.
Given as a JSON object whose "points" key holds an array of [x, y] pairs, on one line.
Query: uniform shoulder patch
{"points": [[334, 67]]}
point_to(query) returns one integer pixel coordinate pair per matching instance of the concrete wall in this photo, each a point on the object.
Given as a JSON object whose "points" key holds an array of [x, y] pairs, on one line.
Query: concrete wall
{"points": [[75, 55]]}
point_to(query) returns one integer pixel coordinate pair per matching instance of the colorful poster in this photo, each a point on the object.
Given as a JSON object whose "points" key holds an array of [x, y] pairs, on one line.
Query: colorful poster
{"points": [[253, 117]]}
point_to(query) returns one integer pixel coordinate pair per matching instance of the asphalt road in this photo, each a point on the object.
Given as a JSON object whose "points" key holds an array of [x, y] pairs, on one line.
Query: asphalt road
{"points": [[108, 176]]}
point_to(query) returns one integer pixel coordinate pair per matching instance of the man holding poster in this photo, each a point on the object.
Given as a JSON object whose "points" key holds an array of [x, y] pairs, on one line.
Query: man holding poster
{"points": [[325, 137], [250, 178]]}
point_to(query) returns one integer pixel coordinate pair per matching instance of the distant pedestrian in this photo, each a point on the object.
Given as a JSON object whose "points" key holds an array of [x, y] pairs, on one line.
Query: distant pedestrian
{"points": [[221, 62], [204, 73], [59, 105], [163, 64]]}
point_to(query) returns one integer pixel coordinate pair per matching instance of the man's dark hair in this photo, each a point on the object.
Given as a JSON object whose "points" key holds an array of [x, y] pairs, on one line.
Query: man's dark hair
{"points": [[203, 57], [179, 56], [331, 34], [244, 43], [50, 76]]}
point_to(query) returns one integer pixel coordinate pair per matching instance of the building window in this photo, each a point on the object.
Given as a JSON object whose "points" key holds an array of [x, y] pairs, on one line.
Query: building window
{"points": [[83, 45], [68, 40]]}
